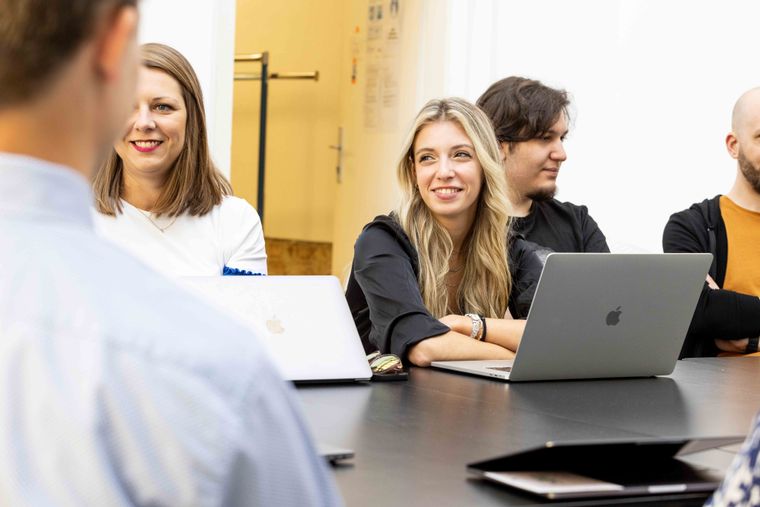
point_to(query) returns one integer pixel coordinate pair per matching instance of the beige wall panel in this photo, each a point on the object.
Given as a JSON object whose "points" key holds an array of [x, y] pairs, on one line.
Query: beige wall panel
{"points": [[303, 116], [370, 154]]}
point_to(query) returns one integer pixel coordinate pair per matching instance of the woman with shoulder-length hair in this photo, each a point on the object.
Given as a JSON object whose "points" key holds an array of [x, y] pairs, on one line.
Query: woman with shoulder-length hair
{"points": [[160, 196], [440, 278]]}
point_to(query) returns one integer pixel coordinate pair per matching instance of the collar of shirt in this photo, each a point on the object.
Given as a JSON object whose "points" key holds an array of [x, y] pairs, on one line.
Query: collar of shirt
{"points": [[39, 190]]}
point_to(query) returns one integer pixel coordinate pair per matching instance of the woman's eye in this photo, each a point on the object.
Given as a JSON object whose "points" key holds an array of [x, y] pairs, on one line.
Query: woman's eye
{"points": [[462, 154], [163, 107], [424, 158]]}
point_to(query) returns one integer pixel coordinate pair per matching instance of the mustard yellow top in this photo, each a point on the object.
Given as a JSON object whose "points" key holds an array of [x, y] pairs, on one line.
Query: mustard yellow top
{"points": [[743, 235]]}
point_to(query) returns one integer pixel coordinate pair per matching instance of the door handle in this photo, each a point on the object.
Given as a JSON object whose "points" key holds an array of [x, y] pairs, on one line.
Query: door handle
{"points": [[339, 148]]}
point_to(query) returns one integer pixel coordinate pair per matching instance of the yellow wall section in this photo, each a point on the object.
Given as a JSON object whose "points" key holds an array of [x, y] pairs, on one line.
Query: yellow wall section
{"points": [[303, 116], [303, 200], [371, 154]]}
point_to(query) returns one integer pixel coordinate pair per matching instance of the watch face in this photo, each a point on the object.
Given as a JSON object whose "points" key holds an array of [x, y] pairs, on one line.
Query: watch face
{"points": [[477, 324]]}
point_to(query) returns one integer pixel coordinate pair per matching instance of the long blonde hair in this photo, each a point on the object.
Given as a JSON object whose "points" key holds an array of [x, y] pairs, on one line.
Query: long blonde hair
{"points": [[486, 281], [194, 184]]}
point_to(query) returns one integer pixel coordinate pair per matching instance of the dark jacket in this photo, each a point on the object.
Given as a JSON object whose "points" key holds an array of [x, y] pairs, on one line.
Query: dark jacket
{"points": [[384, 295], [719, 313]]}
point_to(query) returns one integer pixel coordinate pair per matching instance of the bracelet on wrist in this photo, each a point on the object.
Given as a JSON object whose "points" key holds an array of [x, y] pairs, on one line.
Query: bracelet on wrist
{"points": [[483, 333]]}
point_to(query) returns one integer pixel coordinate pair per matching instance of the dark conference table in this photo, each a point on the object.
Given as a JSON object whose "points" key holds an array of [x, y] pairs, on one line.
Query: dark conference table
{"points": [[413, 439]]}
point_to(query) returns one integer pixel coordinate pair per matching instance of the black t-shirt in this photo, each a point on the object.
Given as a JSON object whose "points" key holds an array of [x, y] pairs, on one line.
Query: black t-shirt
{"points": [[561, 226], [384, 295]]}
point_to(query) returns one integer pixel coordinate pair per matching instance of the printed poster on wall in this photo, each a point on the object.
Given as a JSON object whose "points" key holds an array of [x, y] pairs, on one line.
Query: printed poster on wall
{"points": [[381, 97]]}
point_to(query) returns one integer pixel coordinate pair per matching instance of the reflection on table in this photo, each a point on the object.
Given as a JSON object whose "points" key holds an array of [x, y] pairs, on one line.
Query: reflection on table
{"points": [[413, 439]]}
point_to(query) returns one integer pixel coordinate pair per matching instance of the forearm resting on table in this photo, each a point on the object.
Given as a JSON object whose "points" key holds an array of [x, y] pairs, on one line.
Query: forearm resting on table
{"points": [[505, 333], [454, 346], [737, 346]]}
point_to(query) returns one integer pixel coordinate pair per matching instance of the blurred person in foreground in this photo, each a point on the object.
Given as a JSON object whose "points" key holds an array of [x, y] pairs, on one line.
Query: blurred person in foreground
{"points": [[118, 389]]}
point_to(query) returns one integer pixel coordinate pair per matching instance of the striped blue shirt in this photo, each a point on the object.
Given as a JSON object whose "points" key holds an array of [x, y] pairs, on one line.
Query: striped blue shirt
{"points": [[119, 389]]}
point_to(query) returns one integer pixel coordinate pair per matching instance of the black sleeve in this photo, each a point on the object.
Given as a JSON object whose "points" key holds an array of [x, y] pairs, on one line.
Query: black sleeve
{"points": [[593, 237], [357, 303], [384, 272], [685, 232], [526, 261], [719, 313]]}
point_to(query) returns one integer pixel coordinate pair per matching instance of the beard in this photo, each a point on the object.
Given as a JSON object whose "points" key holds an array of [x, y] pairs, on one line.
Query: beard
{"points": [[750, 171], [543, 194]]}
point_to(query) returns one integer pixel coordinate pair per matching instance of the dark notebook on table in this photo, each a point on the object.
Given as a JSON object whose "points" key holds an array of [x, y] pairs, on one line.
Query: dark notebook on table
{"points": [[647, 466]]}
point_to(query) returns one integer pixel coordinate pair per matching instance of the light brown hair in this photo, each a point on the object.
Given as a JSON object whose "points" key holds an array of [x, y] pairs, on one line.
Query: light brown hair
{"points": [[486, 280], [38, 37], [194, 184]]}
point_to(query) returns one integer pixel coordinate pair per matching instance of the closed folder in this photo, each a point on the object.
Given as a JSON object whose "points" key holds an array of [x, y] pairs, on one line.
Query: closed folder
{"points": [[610, 468]]}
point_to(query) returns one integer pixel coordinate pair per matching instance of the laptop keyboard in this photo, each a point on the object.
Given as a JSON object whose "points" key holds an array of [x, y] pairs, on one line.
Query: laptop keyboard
{"points": [[499, 368]]}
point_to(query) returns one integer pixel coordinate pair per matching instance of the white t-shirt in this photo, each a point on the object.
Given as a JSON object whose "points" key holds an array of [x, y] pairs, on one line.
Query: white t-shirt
{"points": [[229, 235]]}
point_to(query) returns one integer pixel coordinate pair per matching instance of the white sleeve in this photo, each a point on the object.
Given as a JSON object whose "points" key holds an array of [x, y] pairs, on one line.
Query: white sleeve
{"points": [[243, 236]]}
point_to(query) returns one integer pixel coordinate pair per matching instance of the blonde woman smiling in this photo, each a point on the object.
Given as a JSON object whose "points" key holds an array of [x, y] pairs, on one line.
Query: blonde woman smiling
{"points": [[160, 196], [441, 278]]}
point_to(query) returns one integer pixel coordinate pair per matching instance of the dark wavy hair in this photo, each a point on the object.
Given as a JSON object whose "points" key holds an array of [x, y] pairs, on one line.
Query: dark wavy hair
{"points": [[522, 109]]}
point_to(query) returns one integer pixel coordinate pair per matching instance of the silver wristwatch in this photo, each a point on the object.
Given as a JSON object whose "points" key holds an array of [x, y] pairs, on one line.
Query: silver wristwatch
{"points": [[477, 324]]}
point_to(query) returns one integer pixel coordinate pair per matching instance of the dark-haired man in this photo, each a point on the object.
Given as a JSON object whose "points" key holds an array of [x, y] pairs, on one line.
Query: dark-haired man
{"points": [[727, 318], [117, 388], [531, 122]]}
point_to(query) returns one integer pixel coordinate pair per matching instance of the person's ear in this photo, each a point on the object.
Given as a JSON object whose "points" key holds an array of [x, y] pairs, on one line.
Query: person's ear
{"points": [[116, 38], [732, 145], [503, 150]]}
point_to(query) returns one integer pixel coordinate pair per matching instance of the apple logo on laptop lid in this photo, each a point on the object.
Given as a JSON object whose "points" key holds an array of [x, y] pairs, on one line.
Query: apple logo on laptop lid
{"points": [[613, 318], [274, 325]]}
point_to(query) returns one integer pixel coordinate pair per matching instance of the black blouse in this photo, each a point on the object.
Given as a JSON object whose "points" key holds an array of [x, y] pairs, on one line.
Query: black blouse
{"points": [[384, 295]]}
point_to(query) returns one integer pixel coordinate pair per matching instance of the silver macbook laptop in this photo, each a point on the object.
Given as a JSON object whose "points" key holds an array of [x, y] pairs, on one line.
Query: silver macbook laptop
{"points": [[304, 320], [603, 316]]}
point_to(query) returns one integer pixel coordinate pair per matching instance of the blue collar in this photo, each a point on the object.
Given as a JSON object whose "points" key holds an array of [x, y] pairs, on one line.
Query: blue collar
{"points": [[31, 188]]}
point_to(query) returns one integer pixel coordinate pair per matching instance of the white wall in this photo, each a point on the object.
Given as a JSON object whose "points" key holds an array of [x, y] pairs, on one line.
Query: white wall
{"points": [[203, 31], [653, 83]]}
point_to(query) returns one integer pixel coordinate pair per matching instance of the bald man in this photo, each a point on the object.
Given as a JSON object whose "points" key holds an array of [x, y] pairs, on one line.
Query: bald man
{"points": [[727, 317]]}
